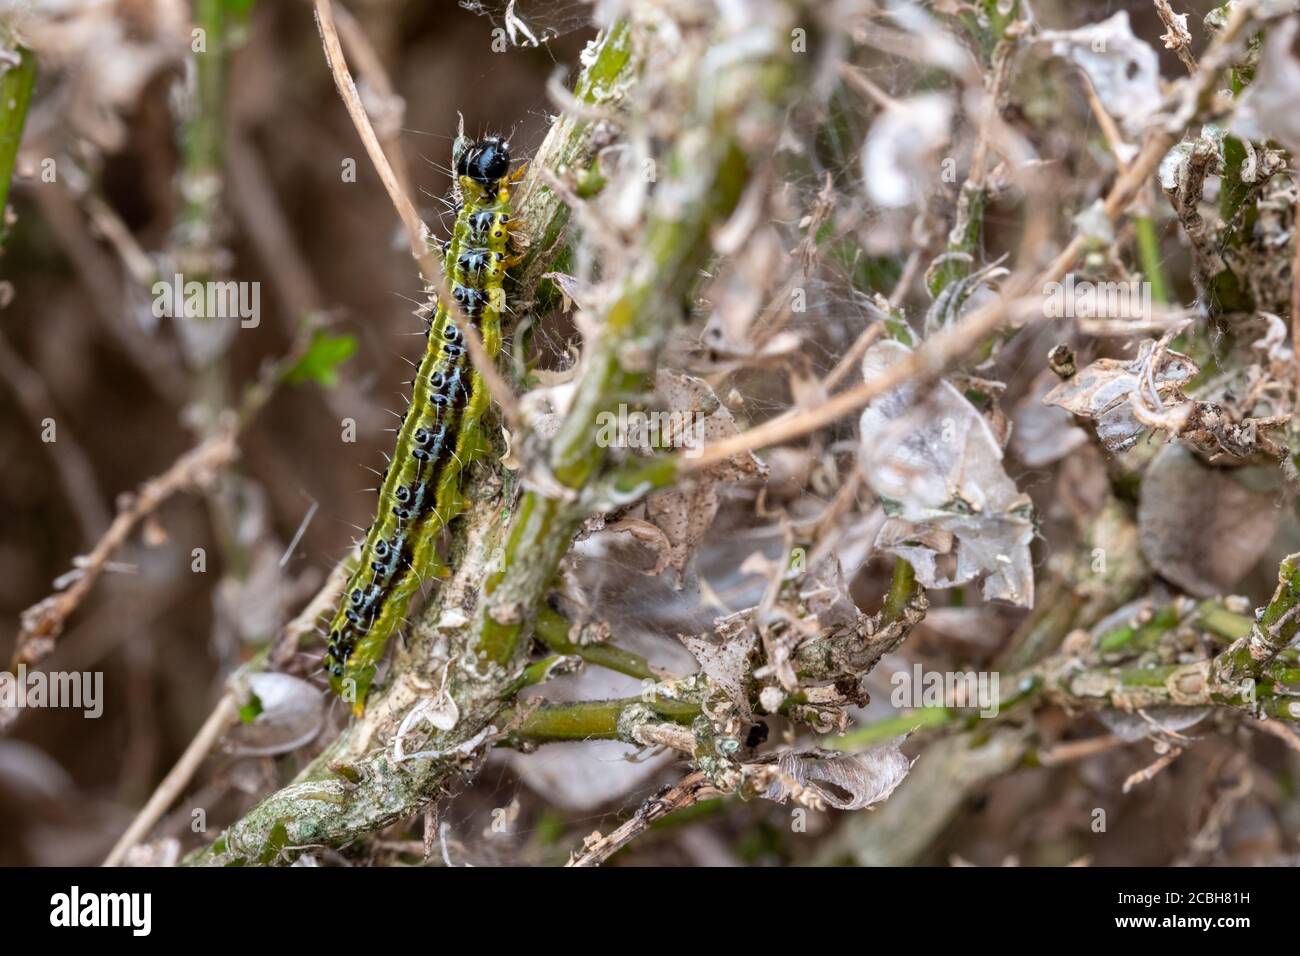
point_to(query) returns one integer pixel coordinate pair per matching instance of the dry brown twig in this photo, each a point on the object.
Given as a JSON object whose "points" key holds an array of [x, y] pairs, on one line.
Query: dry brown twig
{"points": [[1079, 749], [1280, 730], [301, 291], [138, 264], [1109, 128], [688, 792], [42, 623], [382, 95], [223, 716], [1209, 837], [326, 599], [262, 217], [932, 360], [1152, 770], [850, 359], [98, 275], [1177, 39], [219, 721]]}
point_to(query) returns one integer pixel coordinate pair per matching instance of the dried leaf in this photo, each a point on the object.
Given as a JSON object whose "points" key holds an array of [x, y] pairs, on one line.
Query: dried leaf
{"points": [[685, 514], [820, 778], [740, 295], [573, 291], [1043, 434], [1106, 392], [1124, 70], [938, 470], [825, 594], [647, 534], [1152, 721], [581, 776], [723, 656], [1199, 526]]}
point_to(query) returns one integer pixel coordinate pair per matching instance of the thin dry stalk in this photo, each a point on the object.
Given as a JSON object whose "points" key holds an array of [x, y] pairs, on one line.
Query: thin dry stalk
{"points": [[223, 716], [690, 791], [42, 623]]}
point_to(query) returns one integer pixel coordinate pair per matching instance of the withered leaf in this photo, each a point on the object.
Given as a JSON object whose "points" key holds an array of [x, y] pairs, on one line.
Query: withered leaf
{"points": [[1102, 392], [1200, 526], [816, 778], [937, 467], [1124, 70], [685, 514]]}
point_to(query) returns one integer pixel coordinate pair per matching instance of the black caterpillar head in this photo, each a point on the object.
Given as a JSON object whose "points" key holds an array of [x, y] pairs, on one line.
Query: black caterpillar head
{"points": [[486, 161]]}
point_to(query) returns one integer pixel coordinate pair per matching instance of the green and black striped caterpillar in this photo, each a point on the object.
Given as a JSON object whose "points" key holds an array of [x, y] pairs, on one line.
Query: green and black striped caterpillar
{"points": [[440, 431]]}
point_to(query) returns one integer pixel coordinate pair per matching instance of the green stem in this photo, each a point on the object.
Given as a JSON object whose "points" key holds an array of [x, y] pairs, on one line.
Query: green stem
{"points": [[552, 629], [902, 590], [889, 728], [201, 136], [1216, 619], [701, 184], [602, 84], [1027, 687], [539, 672], [591, 720], [1148, 244], [16, 84], [1249, 656]]}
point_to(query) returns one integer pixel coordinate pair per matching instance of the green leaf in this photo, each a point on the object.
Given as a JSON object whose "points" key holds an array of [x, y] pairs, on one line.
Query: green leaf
{"points": [[16, 84], [250, 711], [321, 361]]}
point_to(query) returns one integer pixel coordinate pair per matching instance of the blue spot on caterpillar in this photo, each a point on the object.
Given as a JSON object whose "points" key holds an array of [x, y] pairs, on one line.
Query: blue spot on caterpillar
{"points": [[440, 431]]}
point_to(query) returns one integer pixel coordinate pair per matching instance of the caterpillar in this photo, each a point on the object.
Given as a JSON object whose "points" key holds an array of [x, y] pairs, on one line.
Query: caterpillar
{"points": [[439, 433]]}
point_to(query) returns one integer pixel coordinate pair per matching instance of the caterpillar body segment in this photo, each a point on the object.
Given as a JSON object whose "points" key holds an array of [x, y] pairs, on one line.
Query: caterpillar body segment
{"points": [[440, 432]]}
